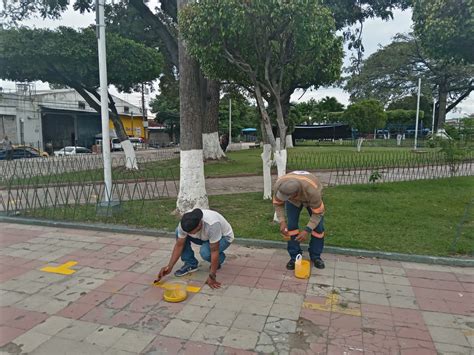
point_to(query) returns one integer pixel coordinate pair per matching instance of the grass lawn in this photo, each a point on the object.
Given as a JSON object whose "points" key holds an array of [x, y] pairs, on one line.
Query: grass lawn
{"points": [[247, 162], [418, 217]]}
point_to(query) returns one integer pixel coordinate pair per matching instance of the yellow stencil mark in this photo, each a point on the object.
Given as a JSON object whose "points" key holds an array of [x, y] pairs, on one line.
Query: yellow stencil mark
{"points": [[192, 289], [63, 269], [332, 305]]}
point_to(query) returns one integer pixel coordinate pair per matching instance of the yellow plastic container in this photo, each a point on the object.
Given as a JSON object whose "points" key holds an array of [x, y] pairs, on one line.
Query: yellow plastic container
{"points": [[175, 291], [302, 267]]}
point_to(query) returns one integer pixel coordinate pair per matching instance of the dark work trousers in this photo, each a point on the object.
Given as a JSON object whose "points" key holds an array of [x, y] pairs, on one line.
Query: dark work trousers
{"points": [[316, 244]]}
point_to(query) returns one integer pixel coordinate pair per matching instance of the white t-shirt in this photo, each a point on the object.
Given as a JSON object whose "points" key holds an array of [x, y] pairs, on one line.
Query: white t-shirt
{"points": [[214, 227]]}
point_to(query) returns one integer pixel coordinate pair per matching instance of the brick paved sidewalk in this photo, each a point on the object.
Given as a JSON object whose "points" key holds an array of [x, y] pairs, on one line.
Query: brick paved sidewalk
{"points": [[354, 306]]}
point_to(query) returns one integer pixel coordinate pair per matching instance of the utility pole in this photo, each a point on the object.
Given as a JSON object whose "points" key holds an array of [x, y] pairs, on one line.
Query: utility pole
{"points": [[104, 102], [433, 122], [144, 117], [230, 121], [417, 112]]}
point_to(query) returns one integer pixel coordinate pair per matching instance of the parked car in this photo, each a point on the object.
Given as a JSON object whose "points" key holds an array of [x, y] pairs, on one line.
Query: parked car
{"points": [[21, 153], [137, 143], [71, 150], [115, 145], [40, 152]]}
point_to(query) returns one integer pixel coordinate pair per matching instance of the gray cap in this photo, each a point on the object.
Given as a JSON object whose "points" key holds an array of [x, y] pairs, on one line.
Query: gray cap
{"points": [[287, 189]]}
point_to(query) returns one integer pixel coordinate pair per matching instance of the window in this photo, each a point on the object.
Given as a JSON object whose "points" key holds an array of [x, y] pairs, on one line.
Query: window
{"points": [[126, 109], [81, 105]]}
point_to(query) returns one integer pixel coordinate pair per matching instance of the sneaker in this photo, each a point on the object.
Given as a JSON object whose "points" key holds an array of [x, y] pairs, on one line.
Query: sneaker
{"points": [[290, 265], [185, 269], [319, 264]]}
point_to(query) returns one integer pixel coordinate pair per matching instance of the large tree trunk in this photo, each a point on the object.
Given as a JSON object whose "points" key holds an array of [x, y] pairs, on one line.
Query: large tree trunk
{"points": [[210, 130], [443, 98], [192, 190]]}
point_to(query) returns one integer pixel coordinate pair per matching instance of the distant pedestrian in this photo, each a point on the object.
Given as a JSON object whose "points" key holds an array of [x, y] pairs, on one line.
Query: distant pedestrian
{"points": [[8, 147], [224, 141]]}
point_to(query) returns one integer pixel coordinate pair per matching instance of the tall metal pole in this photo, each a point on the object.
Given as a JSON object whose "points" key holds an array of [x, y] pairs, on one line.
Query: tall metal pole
{"points": [[417, 112], [145, 125], [230, 121], [104, 100], [432, 123]]}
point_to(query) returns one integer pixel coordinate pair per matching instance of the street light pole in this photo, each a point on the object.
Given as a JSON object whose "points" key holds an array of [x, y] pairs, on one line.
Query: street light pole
{"points": [[433, 122], [104, 100], [230, 121], [417, 112]]}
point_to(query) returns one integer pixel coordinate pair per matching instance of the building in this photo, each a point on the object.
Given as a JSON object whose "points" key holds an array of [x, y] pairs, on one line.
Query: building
{"points": [[59, 117]]}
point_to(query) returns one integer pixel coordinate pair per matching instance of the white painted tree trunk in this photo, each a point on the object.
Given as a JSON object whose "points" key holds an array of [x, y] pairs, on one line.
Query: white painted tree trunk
{"points": [[359, 144], [267, 174], [211, 146], [289, 141], [399, 139], [192, 189], [280, 159], [130, 157]]}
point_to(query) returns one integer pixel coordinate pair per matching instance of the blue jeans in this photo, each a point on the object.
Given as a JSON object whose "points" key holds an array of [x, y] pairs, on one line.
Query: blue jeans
{"points": [[187, 256], [316, 245]]}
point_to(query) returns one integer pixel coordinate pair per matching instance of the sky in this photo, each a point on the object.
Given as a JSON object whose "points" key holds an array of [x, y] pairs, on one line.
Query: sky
{"points": [[376, 33]]}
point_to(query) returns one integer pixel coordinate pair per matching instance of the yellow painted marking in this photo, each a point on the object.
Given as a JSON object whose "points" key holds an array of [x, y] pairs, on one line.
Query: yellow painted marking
{"points": [[332, 305], [63, 269], [192, 289]]}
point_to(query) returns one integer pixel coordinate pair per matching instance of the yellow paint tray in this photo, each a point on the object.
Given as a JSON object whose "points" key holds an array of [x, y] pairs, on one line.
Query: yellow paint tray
{"points": [[174, 291]]}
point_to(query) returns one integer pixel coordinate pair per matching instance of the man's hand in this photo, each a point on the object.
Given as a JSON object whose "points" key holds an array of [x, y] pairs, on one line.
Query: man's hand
{"points": [[283, 228], [213, 283], [301, 237], [163, 272]]}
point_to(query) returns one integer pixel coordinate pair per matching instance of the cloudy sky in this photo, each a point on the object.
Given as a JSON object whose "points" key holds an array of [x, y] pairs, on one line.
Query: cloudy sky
{"points": [[376, 33]]}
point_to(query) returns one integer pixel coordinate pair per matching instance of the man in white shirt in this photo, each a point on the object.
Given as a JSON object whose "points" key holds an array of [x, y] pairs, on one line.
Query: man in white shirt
{"points": [[208, 229]]}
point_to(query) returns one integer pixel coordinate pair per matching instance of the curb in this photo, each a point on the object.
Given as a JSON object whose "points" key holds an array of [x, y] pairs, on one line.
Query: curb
{"points": [[426, 259]]}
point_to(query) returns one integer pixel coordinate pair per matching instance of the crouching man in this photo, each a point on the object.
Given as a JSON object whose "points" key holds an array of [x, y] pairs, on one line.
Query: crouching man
{"points": [[208, 229]]}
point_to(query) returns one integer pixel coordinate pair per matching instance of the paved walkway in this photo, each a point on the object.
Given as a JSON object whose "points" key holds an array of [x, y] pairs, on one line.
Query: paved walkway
{"points": [[109, 305]]}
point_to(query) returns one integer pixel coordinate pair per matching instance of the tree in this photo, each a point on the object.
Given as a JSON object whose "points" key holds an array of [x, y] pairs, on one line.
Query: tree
{"points": [[409, 103], [445, 28], [393, 71], [69, 58], [313, 111], [244, 114], [290, 37], [365, 116]]}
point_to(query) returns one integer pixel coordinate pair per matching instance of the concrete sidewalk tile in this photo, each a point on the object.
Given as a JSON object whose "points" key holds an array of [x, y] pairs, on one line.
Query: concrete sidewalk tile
{"points": [[209, 333], [348, 274], [7, 334], [391, 270], [52, 325], [374, 298], [179, 329], [260, 264], [100, 314], [134, 289], [165, 345], [346, 283], [205, 300], [251, 271], [263, 295], [403, 316], [413, 333], [269, 284], [403, 302], [415, 346], [30, 287], [111, 286], [221, 317], [193, 313], [72, 294], [246, 281], [30, 340], [73, 347], [321, 280], [118, 301], [289, 298], [318, 290], [250, 322], [257, 307], [369, 276], [443, 348], [52, 290], [285, 311], [380, 342], [448, 336], [396, 280], [279, 325], [197, 348], [316, 317], [127, 319], [105, 336], [78, 330], [27, 320], [76, 310], [370, 286], [343, 321], [231, 303], [369, 267], [399, 290], [238, 291], [436, 284], [241, 339], [437, 272], [294, 287], [94, 297], [439, 319]]}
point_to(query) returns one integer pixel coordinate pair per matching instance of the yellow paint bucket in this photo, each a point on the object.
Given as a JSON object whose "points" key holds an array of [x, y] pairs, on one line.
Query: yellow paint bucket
{"points": [[175, 291], [302, 267]]}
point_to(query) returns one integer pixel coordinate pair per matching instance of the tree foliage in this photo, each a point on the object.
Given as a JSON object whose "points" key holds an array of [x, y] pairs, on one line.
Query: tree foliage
{"points": [[366, 115], [446, 28], [291, 38], [392, 73], [317, 110]]}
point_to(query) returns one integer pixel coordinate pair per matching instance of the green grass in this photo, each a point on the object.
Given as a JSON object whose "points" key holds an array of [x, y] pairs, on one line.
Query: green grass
{"points": [[418, 217], [248, 162]]}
